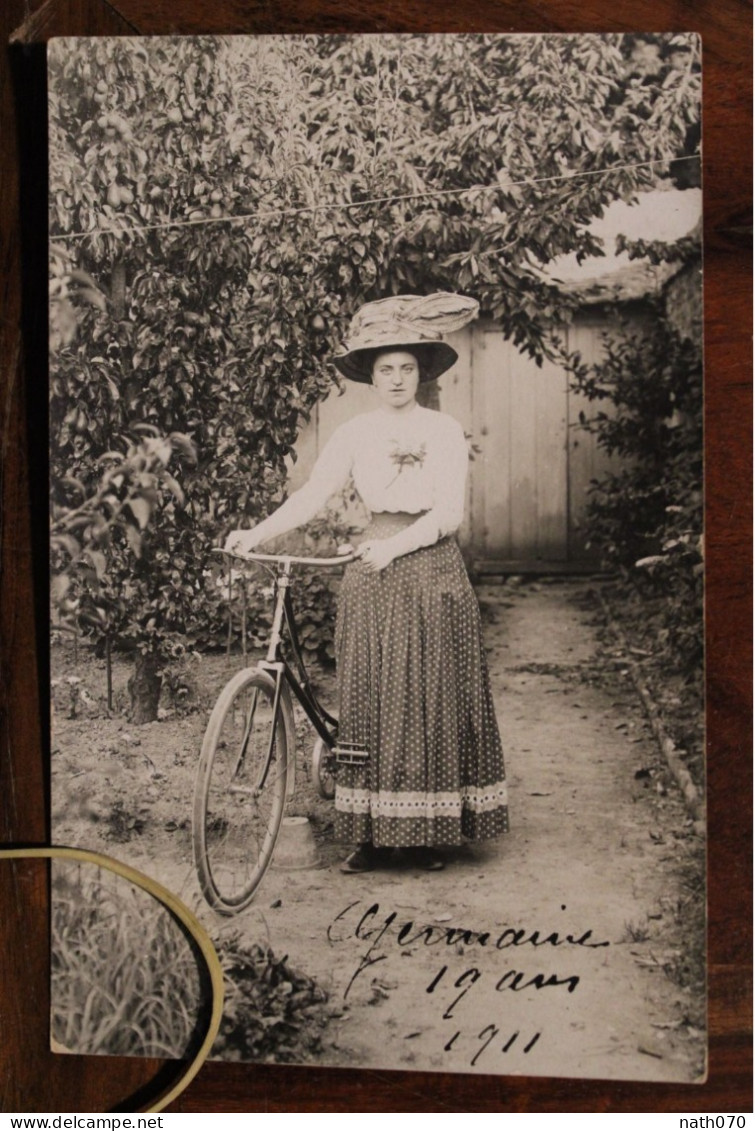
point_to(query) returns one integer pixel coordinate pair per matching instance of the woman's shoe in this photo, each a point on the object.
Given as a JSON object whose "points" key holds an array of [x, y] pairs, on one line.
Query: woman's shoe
{"points": [[365, 858], [424, 857]]}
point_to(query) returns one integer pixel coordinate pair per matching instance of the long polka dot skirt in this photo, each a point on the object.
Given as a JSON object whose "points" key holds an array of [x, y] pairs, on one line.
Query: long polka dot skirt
{"points": [[414, 690]]}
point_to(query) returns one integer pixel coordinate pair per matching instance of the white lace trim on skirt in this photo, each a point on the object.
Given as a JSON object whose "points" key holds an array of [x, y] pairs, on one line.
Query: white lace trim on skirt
{"points": [[385, 803]]}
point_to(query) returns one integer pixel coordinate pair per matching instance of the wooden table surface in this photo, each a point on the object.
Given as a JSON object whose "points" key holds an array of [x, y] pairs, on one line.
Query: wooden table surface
{"points": [[31, 1079]]}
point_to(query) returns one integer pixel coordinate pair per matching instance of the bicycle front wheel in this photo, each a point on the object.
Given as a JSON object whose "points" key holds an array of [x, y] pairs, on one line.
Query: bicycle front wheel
{"points": [[240, 790]]}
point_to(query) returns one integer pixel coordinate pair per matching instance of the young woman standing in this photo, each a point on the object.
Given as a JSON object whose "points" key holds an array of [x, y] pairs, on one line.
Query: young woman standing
{"points": [[413, 681]]}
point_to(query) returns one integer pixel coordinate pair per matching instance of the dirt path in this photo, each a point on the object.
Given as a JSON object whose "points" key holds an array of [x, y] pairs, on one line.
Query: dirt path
{"points": [[543, 952]]}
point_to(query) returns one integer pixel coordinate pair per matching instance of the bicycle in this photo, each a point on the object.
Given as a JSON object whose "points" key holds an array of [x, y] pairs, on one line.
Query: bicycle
{"points": [[247, 763]]}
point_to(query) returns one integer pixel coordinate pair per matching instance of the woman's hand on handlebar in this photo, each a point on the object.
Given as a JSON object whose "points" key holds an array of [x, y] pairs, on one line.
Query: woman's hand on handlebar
{"points": [[242, 541]]}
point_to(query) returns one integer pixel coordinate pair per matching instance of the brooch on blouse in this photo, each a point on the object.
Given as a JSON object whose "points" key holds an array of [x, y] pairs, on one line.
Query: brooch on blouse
{"points": [[406, 457]]}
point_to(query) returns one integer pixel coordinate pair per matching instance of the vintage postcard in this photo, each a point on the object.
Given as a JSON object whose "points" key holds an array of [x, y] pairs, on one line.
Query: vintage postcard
{"points": [[376, 526]]}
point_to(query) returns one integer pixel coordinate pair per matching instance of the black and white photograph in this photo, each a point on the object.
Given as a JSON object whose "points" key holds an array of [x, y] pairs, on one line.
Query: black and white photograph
{"points": [[376, 599]]}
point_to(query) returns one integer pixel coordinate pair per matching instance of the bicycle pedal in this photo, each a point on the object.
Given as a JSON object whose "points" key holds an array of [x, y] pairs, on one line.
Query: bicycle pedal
{"points": [[350, 754]]}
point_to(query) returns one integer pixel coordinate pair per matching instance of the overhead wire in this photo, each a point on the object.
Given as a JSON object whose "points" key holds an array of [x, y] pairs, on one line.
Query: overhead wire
{"points": [[277, 213]]}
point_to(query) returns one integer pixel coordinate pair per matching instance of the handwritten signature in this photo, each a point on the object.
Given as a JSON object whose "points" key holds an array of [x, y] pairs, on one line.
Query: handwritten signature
{"points": [[372, 926]]}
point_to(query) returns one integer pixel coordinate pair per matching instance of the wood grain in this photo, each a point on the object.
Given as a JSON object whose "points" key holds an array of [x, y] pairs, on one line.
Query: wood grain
{"points": [[32, 1079]]}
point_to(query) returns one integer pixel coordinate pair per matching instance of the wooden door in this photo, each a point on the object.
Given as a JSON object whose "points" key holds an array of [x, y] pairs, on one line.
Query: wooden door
{"points": [[531, 474], [519, 487]]}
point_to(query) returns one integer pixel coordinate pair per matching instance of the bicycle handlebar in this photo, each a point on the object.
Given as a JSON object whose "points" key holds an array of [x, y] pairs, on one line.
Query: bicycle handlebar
{"points": [[349, 555]]}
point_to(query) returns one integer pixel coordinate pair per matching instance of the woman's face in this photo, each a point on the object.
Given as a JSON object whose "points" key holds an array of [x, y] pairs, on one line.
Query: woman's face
{"points": [[395, 375]]}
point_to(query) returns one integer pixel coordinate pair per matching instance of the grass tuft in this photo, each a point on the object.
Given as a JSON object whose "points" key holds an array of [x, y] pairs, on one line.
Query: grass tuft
{"points": [[636, 932], [125, 980]]}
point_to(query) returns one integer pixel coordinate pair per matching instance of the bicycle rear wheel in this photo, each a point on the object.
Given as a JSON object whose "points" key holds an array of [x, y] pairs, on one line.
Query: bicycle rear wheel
{"points": [[240, 791], [324, 770]]}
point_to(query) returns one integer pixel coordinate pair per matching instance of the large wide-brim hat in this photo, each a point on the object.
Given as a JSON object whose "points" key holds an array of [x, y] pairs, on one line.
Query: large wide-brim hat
{"points": [[413, 322]]}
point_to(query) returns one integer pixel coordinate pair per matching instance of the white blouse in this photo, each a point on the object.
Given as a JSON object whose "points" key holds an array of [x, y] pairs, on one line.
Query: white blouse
{"points": [[414, 462]]}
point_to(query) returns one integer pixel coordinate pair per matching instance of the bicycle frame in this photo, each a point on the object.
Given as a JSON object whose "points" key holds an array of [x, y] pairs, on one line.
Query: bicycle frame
{"points": [[276, 666], [280, 669]]}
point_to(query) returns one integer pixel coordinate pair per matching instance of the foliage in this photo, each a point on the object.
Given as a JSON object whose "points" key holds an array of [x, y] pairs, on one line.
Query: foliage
{"points": [[660, 251], [690, 920], [92, 534], [236, 200], [132, 143], [647, 518], [71, 694], [182, 686], [390, 119], [124, 980], [272, 1012], [69, 288]]}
